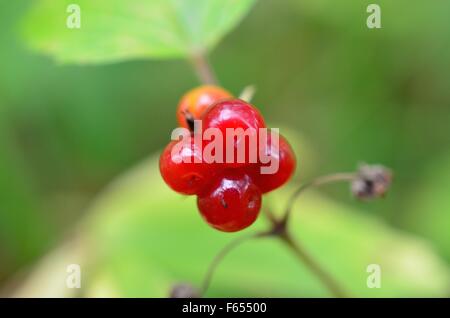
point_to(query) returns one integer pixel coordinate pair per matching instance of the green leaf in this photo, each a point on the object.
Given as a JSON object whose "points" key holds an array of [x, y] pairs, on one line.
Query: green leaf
{"points": [[115, 30], [142, 238]]}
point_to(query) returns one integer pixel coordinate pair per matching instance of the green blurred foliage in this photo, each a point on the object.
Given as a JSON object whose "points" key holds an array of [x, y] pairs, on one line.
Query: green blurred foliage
{"points": [[430, 205], [141, 239], [354, 94], [143, 252]]}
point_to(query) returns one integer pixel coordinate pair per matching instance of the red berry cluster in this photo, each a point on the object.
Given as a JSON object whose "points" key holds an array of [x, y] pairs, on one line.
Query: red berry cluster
{"points": [[229, 194]]}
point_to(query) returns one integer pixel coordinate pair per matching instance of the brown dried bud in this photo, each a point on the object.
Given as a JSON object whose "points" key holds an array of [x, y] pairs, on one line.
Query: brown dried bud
{"points": [[184, 291], [371, 182]]}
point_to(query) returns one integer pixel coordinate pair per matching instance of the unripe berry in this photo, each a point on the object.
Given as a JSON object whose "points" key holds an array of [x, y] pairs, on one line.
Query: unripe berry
{"points": [[232, 203], [194, 103]]}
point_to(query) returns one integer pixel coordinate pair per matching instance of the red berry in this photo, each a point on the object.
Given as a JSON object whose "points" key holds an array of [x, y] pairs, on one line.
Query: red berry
{"points": [[232, 203], [235, 114], [195, 102], [285, 158], [229, 193], [180, 171]]}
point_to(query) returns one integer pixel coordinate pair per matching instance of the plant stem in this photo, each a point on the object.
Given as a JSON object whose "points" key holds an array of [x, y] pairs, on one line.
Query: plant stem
{"points": [[221, 255], [336, 177], [279, 228], [328, 281], [247, 93], [203, 69]]}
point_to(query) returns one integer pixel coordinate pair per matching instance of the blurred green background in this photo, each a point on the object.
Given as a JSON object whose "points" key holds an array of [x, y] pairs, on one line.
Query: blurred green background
{"points": [[343, 92]]}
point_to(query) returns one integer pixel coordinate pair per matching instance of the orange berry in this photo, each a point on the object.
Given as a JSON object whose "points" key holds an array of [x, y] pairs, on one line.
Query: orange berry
{"points": [[194, 103]]}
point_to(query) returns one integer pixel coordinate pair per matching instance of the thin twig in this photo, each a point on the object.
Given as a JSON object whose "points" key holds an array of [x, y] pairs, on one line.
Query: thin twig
{"points": [[280, 229], [328, 280], [203, 69], [337, 177], [270, 216], [222, 253]]}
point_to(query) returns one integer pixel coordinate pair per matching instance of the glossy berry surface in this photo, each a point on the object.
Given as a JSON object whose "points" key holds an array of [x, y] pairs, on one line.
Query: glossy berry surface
{"points": [[229, 193], [283, 154], [235, 114], [179, 170], [232, 203], [194, 103]]}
